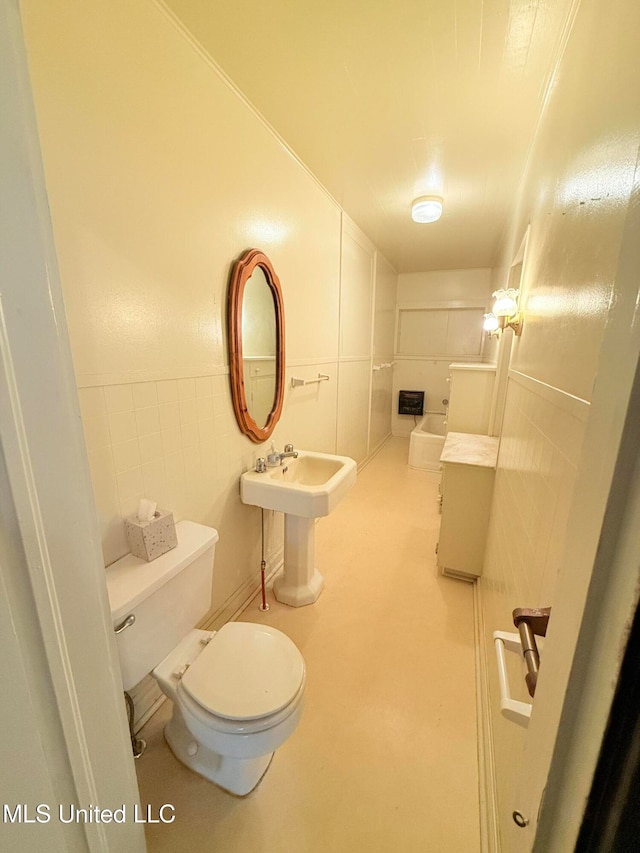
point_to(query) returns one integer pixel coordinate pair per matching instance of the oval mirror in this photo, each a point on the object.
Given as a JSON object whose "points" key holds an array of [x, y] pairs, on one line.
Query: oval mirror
{"points": [[256, 345]]}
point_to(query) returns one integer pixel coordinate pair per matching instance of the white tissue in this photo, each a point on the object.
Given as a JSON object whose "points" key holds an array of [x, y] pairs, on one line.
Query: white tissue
{"points": [[146, 509]]}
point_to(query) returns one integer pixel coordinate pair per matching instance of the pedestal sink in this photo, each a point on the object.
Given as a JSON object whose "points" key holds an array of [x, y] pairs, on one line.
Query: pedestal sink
{"points": [[303, 489]]}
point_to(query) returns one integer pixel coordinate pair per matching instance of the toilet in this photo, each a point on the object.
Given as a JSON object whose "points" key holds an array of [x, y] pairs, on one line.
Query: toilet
{"points": [[237, 693]]}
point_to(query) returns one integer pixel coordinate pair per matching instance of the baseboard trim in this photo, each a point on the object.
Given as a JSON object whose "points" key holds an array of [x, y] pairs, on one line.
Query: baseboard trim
{"points": [[239, 599], [274, 564], [374, 452], [488, 798]]}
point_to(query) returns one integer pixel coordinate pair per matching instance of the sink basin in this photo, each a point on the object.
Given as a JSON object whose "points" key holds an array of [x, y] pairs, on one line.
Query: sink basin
{"points": [[309, 486]]}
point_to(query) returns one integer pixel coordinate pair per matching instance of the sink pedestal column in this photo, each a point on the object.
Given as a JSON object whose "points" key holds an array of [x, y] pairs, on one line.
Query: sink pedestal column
{"points": [[301, 583]]}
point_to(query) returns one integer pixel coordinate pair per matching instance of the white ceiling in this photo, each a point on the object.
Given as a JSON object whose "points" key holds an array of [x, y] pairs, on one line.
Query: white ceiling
{"points": [[386, 100]]}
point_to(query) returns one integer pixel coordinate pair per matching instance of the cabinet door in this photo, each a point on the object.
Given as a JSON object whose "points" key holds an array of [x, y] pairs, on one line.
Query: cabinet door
{"points": [[465, 516]]}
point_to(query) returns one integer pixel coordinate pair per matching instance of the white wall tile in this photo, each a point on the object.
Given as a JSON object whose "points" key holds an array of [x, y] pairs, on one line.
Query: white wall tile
{"points": [[150, 447], [147, 421], [169, 415], [186, 389], [192, 465], [174, 466], [188, 411], [220, 386], [144, 395], [171, 440], [105, 492], [204, 386], [206, 431], [189, 435], [126, 454], [205, 408], [94, 417], [92, 403], [130, 484], [128, 507], [533, 491], [154, 476], [119, 398], [102, 470], [122, 426], [167, 391], [96, 431]]}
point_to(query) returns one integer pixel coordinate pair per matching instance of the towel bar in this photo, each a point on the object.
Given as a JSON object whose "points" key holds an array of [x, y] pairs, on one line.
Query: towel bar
{"points": [[296, 383]]}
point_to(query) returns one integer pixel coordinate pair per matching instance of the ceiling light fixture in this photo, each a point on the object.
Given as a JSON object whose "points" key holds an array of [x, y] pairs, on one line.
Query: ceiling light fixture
{"points": [[427, 208]]}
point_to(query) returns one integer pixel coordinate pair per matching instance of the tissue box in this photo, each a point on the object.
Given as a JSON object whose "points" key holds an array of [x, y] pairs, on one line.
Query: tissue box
{"points": [[151, 539]]}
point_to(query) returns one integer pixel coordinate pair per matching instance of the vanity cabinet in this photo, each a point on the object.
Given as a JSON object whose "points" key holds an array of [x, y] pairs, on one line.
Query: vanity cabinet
{"points": [[469, 467]]}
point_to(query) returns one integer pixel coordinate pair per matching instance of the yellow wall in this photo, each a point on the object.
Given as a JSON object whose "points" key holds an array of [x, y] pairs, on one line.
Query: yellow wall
{"points": [[575, 195], [159, 175]]}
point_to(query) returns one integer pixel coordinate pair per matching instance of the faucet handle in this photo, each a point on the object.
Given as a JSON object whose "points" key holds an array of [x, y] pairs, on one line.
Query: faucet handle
{"points": [[288, 448], [273, 457]]}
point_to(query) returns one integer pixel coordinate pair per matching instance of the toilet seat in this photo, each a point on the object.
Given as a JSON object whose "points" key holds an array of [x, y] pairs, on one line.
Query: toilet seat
{"points": [[247, 672], [209, 723]]}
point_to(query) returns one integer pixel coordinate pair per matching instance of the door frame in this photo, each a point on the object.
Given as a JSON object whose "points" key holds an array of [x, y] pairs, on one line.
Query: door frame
{"points": [[51, 568]]}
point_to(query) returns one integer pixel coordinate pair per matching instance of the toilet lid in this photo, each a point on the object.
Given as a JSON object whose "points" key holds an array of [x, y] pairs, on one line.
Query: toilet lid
{"points": [[247, 671]]}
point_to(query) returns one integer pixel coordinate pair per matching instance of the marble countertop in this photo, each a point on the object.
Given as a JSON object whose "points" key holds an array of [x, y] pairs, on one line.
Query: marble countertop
{"points": [[465, 448]]}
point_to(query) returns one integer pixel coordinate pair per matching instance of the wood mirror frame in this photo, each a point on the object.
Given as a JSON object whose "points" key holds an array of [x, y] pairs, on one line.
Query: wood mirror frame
{"points": [[240, 274]]}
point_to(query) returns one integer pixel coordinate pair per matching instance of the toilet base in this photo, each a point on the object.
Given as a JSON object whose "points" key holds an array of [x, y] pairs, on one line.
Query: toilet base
{"points": [[237, 776]]}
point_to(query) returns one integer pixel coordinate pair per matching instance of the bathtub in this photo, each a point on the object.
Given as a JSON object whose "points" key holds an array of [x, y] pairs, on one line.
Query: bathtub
{"points": [[426, 443]]}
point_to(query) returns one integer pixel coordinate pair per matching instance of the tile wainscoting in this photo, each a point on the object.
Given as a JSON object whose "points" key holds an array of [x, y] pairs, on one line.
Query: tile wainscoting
{"points": [[539, 455]]}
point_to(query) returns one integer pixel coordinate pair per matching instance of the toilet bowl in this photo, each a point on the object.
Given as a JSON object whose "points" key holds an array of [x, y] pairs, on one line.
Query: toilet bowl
{"points": [[237, 693], [234, 703]]}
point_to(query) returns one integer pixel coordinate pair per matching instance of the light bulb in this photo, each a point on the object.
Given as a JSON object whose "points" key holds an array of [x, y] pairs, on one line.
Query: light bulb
{"points": [[427, 208], [491, 323], [506, 304]]}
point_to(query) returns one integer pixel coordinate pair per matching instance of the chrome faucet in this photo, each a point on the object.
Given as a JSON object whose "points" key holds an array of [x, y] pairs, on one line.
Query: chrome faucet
{"points": [[274, 457]]}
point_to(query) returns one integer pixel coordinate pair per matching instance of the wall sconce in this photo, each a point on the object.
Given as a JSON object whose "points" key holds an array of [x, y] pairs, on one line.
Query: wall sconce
{"points": [[505, 314], [491, 325]]}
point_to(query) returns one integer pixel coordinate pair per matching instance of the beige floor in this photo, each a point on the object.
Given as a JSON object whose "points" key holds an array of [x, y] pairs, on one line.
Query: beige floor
{"points": [[384, 758]]}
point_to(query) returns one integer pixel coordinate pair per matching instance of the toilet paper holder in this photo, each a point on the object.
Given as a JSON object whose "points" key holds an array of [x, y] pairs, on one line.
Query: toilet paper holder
{"points": [[529, 622], [512, 709]]}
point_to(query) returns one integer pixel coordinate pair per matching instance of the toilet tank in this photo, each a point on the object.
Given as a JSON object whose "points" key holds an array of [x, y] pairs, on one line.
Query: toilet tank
{"points": [[167, 596]]}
